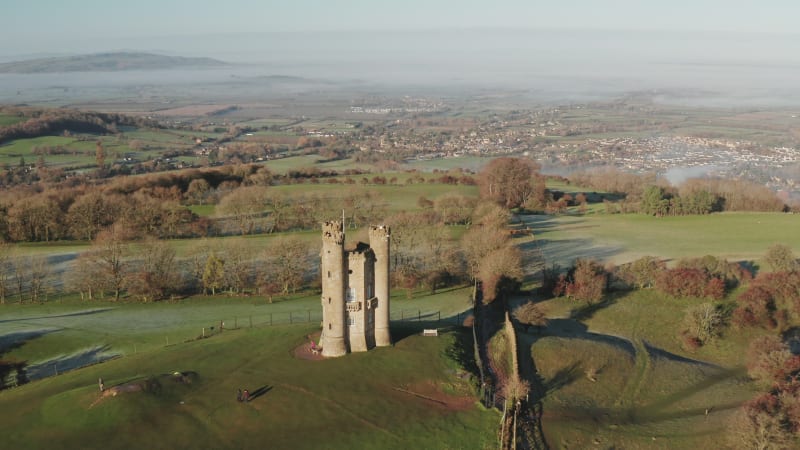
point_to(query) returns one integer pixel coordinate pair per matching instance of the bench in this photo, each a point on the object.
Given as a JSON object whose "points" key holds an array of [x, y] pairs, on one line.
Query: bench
{"points": [[430, 332]]}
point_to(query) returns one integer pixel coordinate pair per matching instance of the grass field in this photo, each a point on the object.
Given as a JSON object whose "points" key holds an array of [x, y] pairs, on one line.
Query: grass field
{"points": [[283, 165], [619, 378], [621, 238], [395, 197], [10, 119], [473, 163], [68, 332], [414, 393], [359, 401], [82, 151], [617, 375]]}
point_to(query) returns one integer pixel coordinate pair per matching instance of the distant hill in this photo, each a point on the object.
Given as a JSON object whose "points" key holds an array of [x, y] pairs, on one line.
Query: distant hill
{"points": [[106, 62]]}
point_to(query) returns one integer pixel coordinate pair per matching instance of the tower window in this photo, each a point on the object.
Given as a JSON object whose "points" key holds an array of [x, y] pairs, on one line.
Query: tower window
{"points": [[329, 274], [329, 326], [351, 320]]}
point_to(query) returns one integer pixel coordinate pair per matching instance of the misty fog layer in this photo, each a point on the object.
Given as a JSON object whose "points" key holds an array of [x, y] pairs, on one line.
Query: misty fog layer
{"points": [[713, 69]]}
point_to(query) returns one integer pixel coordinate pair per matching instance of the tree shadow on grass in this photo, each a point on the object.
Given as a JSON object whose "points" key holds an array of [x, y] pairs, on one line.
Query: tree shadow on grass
{"points": [[588, 310], [564, 252], [64, 363], [17, 339], [563, 378], [572, 329], [56, 316]]}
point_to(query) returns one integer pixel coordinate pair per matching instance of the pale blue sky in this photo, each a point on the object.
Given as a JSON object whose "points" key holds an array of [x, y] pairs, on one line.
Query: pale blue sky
{"points": [[53, 20]]}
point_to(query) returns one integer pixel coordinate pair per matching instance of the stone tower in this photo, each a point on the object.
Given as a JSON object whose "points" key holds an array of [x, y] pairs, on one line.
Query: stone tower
{"points": [[333, 284], [355, 291], [379, 241]]}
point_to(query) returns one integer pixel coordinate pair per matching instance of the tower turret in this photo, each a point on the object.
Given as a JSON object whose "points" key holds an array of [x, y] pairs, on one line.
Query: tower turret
{"points": [[333, 271], [379, 242]]}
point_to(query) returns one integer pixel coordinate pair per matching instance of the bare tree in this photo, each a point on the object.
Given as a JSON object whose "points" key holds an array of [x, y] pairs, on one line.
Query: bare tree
{"points": [[5, 271], [703, 321], [780, 258], [238, 265], [84, 278], [529, 313], [287, 262], [38, 278], [511, 182], [752, 428], [89, 214], [108, 254], [244, 205], [19, 275], [155, 275], [197, 191], [213, 274]]}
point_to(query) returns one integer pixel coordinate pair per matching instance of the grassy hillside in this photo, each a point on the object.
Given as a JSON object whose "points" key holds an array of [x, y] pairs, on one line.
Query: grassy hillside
{"points": [[359, 401], [57, 336], [620, 377], [104, 62]]}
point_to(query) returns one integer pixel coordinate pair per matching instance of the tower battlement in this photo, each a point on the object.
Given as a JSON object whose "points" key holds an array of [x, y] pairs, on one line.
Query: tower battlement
{"points": [[333, 232], [379, 233]]}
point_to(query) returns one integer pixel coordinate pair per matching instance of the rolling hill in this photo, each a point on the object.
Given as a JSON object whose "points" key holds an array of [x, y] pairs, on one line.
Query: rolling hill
{"points": [[106, 62]]}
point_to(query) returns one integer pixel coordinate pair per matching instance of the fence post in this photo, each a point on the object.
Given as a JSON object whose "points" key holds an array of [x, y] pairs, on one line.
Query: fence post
{"points": [[419, 315], [270, 319], [290, 318], [251, 321], [235, 323], [309, 315], [438, 316], [402, 315]]}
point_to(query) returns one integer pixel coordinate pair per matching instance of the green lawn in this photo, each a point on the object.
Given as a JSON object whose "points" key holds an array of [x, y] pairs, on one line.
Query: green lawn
{"points": [[400, 197], [351, 402], [620, 238], [72, 327], [10, 119], [284, 165], [621, 376]]}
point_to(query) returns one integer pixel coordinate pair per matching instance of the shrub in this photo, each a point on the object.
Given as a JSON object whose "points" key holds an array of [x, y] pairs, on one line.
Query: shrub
{"points": [[703, 322], [641, 273], [770, 362], [715, 289], [588, 281], [682, 282]]}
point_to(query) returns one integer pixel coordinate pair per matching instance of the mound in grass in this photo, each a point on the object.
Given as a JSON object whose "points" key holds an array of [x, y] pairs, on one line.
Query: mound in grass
{"points": [[601, 394], [412, 395]]}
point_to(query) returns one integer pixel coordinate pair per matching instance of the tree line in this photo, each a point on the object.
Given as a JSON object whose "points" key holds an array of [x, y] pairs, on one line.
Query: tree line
{"points": [[56, 121], [646, 194]]}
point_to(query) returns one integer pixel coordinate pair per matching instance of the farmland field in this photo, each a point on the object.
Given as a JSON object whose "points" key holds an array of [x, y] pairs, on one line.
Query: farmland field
{"points": [[622, 238], [9, 119]]}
